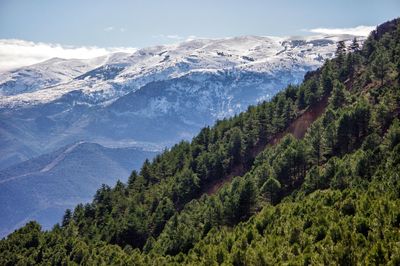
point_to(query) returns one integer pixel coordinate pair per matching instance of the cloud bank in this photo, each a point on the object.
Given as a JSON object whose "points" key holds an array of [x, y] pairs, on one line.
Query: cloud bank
{"points": [[112, 28], [176, 37], [16, 53], [358, 31]]}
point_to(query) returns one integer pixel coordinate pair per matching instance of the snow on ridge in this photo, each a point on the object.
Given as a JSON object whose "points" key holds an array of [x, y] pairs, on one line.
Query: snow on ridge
{"points": [[120, 73]]}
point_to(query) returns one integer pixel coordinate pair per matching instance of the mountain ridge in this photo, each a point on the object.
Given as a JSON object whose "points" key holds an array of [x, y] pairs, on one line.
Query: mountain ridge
{"points": [[44, 186], [215, 48]]}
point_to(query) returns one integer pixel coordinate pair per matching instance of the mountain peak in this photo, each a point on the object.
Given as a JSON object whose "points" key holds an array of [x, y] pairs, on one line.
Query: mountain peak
{"points": [[30, 85]]}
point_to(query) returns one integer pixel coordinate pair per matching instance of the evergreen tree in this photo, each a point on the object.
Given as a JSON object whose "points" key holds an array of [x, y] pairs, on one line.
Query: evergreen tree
{"points": [[381, 65], [187, 185], [315, 139], [355, 46], [340, 53], [327, 77], [163, 212], [344, 136], [271, 189], [67, 218], [247, 199], [301, 98], [338, 97], [236, 145], [132, 178], [146, 172]]}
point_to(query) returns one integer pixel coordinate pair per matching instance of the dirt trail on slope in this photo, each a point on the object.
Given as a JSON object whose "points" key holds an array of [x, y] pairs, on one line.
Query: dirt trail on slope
{"points": [[60, 157], [47, 167], [297, 128]]}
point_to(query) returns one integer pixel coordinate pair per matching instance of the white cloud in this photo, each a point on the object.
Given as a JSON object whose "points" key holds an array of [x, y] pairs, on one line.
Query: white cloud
{"points": [[16, 53], [169, 36], [110, 28], [193, 37], [178, 38], [358, 31], [174, 36]]}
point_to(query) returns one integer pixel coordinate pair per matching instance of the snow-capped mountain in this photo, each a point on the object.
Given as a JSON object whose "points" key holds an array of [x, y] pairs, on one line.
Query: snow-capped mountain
{"points": [[154, 96], [119, 73], [48, 73]]}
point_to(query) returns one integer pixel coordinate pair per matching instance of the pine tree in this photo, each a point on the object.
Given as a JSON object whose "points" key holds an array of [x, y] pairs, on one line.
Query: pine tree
{"points": [[327, 77], [341, 48], [247, 199], [145, 172], [381, 65], [355, 46], [301, 98], [316, 143], [132, 178], [340, 52], [329, 140], [66, 218], [236, 145], [187, 186], [344, 137], [271, 189], [338, 97]]}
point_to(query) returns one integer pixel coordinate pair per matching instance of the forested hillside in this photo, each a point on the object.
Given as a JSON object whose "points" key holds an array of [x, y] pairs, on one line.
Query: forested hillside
{"points": [[310, 177]]}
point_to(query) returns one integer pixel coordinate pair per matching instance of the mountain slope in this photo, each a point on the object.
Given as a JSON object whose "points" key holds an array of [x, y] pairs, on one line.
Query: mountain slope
{"points": [[42, 188], [187, 85], [46, 74]]}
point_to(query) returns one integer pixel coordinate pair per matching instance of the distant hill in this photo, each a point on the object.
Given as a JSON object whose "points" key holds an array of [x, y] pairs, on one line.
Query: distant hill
{"points": [[42, 188]]}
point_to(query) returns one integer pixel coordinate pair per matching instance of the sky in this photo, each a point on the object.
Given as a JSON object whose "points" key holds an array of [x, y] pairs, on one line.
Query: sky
{"points": [[76, 28]]}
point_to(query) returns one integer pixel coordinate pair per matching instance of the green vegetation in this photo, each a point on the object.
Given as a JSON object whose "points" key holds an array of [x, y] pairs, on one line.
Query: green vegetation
{"points": [[330, 197]]}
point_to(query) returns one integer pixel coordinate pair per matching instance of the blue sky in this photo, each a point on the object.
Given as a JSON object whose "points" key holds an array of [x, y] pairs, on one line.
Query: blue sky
{"points": [[34, 31], [149, 22]]}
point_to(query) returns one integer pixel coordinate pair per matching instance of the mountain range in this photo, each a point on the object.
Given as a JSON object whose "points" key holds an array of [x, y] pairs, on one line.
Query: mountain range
{"points": [[133, 99], [56, 116]]}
